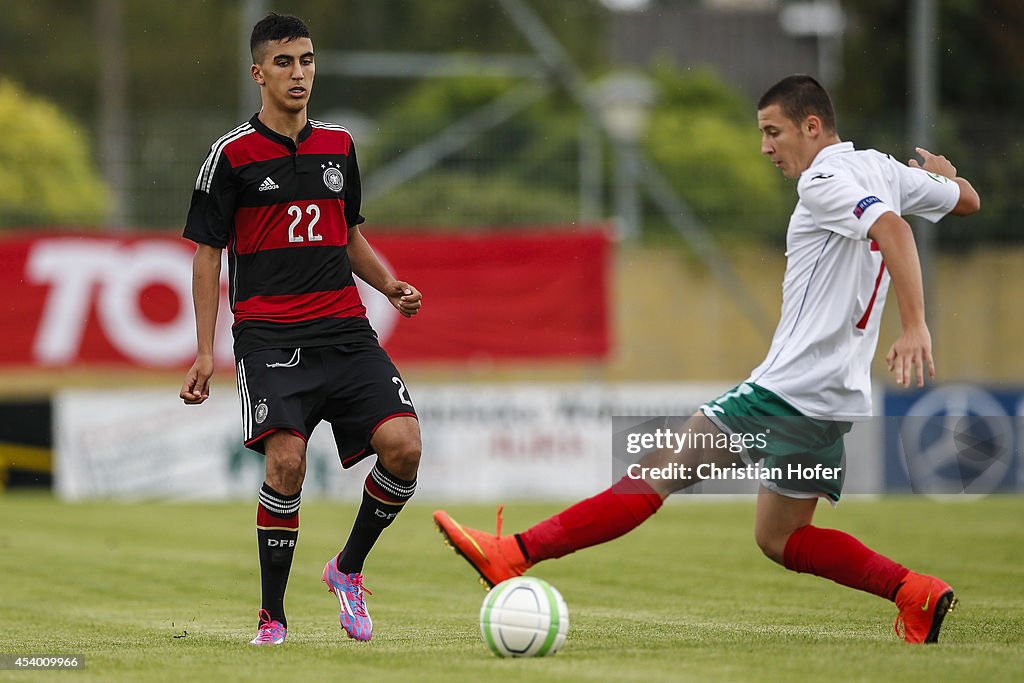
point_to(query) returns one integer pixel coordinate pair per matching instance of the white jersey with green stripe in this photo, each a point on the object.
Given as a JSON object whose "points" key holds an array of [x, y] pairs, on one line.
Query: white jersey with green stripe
{"points": [[835, 284]]}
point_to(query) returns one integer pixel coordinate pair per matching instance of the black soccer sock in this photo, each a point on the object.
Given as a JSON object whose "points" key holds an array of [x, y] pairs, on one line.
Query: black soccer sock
{"points": [[277, 529], [384, 495]]}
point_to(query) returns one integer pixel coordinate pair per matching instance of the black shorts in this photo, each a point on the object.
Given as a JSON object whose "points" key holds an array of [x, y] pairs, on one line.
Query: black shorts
{"points": [[354, 386]]}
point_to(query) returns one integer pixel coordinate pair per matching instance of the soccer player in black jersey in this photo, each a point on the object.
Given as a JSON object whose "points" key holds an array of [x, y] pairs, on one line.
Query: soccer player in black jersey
{"points": [[281, 194]]}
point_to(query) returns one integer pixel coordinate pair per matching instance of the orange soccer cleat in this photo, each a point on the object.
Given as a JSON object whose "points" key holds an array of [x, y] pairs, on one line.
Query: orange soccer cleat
{"points": [[923, 602], [495, 557]]}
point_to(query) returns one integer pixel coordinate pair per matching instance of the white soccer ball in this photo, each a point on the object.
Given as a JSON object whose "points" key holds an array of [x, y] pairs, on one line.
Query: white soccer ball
{"points": [[524, 617]]}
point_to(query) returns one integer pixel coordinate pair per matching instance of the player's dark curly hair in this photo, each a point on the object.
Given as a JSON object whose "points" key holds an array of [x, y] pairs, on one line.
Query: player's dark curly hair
{"points": [[275, 27], [800, 96]]}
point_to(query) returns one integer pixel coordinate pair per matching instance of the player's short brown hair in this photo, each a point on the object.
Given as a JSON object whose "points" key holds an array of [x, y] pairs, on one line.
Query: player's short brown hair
{"points": [[800, 96], [275, 27]]}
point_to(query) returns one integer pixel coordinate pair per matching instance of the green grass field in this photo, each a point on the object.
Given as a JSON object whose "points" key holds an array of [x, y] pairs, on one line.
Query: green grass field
{"points": [[170, 593]]}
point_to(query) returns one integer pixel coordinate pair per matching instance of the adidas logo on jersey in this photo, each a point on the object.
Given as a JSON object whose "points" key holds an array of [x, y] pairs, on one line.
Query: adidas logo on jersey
{"points": [[268, 184]]}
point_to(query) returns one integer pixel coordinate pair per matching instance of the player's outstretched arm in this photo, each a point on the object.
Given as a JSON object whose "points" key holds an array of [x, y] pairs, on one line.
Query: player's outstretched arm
{"points": [[912, 352], [403, 296], [205, 297], [969, 201]]}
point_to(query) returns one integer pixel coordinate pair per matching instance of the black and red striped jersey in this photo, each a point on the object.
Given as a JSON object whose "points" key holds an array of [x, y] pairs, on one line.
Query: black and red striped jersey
{"points": [[283, 212]]}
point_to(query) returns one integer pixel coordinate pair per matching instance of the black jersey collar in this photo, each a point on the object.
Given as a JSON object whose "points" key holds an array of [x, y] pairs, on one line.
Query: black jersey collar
{"points": [[266, 132]]}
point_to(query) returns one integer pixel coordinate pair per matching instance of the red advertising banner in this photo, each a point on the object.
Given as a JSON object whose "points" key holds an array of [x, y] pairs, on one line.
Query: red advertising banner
{"points": [[81, 300]]}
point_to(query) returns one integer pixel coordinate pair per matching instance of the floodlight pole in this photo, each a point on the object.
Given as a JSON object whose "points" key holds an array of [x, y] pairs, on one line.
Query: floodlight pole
{"points": [[113, 152], [923, 40], [591, 155], [249, 13]]}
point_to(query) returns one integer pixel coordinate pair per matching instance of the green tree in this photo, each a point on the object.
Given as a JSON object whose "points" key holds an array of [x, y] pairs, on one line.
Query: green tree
{"points": [[523, 171], [980, 100], [980, 55], [46, 177], [703, 134]]}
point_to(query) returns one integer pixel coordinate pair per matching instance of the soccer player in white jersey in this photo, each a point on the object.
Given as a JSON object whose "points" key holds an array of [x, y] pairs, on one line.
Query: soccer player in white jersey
{"points": [[846, 244]]}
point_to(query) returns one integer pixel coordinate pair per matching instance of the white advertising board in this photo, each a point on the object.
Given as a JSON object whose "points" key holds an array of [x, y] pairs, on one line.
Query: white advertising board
{"points": [[486, 443]]}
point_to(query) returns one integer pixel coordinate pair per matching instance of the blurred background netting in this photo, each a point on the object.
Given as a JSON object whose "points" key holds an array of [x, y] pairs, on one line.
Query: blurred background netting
{"points": [[577, 186], [463, 118]]}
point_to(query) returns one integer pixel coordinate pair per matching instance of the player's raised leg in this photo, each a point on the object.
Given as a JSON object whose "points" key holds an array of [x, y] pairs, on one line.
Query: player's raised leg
{"points": [[598, 519], [388, 487], [784, 532]]}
